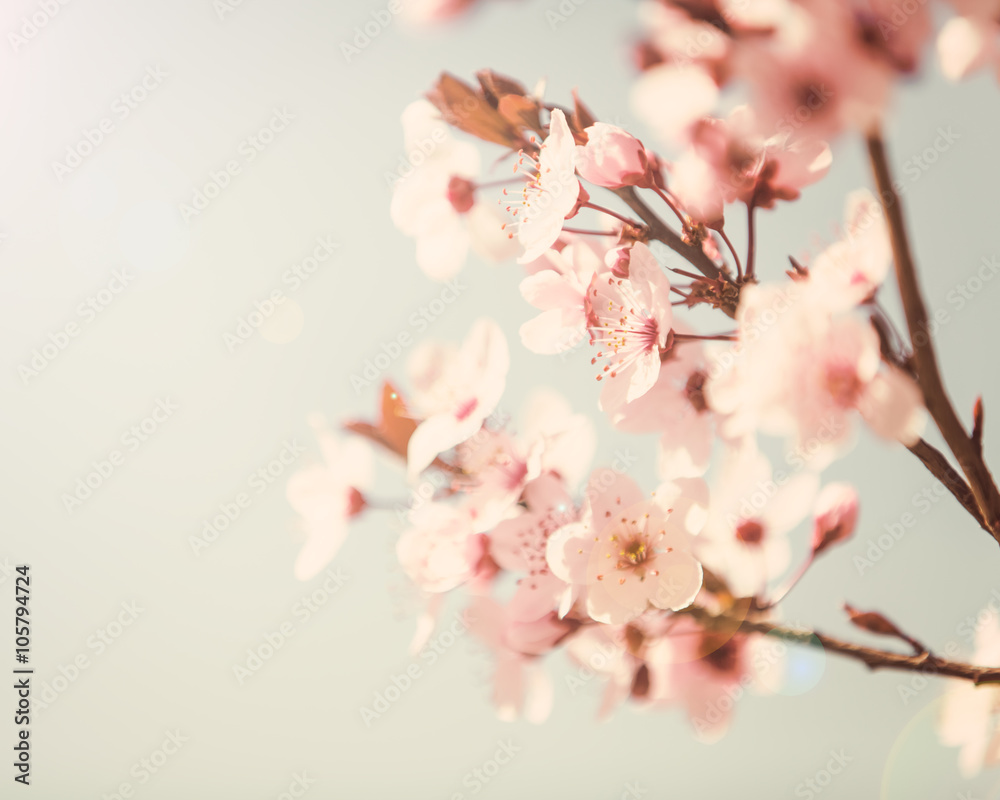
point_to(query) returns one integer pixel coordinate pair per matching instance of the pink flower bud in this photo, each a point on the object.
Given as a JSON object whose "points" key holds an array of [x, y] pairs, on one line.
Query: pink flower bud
{"points": [[613, 158], [834, 516]]}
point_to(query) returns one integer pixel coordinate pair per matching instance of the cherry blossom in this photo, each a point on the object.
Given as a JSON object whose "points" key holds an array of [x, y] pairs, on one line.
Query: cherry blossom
{"points": [[753, 509], [467, 391], [327, 496], [729, 160], [810, 392], [706, 672], [835, 516], [613, 158], [670, 99], [675, 407], [850, 271], [550, 193], [439, 550], [559, 291], [521, 687], [970, 716], [629, 320], [626, 555], [436, 202]]}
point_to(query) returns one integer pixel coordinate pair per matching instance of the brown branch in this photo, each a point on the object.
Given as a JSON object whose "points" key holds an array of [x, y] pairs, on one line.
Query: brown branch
{"points": [[938, 465], [969, 457], [660, 231], [871, 657]]}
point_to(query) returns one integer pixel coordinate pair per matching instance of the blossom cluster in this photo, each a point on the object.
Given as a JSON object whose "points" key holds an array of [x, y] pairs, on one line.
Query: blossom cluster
{"points": [[691, 341]]}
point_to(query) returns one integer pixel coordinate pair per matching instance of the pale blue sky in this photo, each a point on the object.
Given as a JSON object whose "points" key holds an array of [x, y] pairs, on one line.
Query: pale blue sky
{"points": [[162, 336]]}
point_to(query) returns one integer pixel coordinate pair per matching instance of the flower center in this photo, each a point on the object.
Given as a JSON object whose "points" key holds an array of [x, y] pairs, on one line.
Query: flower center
{"points": [[695, 391], [843, 384], [749, 531], [466, 408], [461, 193], [625, 337], [722, 656]]}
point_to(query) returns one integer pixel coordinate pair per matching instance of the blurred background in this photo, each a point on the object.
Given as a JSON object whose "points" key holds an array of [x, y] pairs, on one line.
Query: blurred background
{"points": [[132, 301]]}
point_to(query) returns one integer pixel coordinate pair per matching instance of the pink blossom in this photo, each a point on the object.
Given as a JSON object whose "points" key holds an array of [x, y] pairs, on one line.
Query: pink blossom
{"points": [[801, 372], [551, 192], [670, 99], [752, 511], [435, 202], [705, 671], [518, 545], [439, 550], [677, 37], [629, 320], [835, 516], [613, 158], [327, 496], [629, 552], [560, 293], [729, 160], [850, 271], [675, 408], [814, 75], [521, 687], [467, 392], [970, 716], [498, 465]]}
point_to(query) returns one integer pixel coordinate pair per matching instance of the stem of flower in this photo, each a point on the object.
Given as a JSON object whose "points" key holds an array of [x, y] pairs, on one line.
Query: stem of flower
{"points": [[970, 459], [729, 244], [871, 657], [661, 232], [673, 206], [611, 213], [751, 239], [583, 232]]}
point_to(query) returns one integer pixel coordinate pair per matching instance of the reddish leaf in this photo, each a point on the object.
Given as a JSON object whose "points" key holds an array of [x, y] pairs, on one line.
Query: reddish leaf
{"points": [[395, 426]]}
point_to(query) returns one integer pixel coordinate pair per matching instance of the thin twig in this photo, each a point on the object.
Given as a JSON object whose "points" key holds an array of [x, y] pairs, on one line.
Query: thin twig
{"points": [[871, 657], [751, 240], [970, 459]]}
